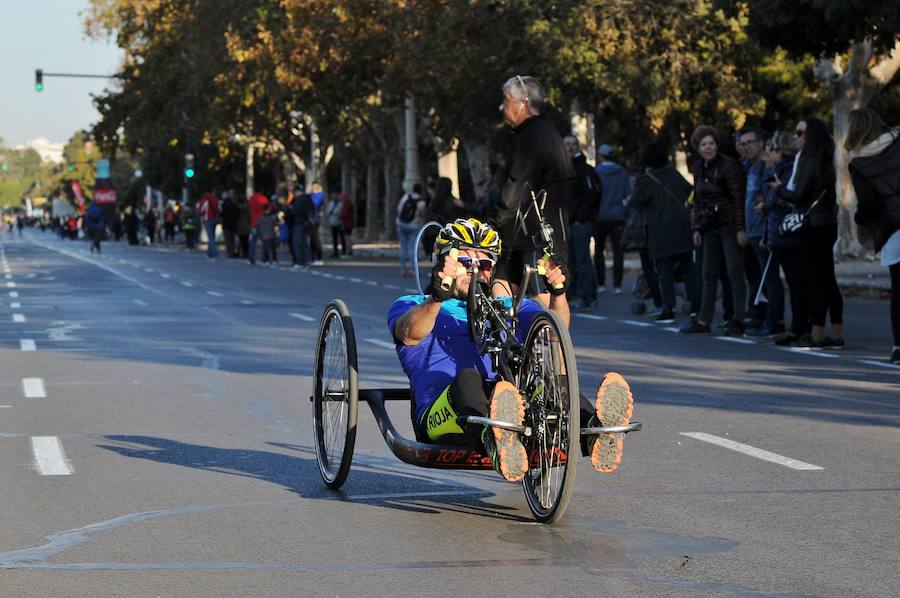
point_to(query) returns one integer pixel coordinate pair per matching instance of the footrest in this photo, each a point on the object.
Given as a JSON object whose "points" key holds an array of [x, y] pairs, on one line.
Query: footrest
{"points": [[632, 427], [487, 421]]}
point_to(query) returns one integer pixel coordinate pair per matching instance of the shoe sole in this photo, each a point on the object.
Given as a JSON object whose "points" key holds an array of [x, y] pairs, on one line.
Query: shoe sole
{"points": [[614, 407], [507, 405]]}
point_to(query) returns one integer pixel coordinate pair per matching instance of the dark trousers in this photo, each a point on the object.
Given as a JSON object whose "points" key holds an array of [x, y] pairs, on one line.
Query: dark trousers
{"points": [[612, 229], [817, 260], [228, 234], [727, 295], [582, 282], [666, 268], [337, 235], [774, 290], [269, 250], [895, 303], [788, 259], [245, 244], [650, 275], [720, 246], [753, 274]]}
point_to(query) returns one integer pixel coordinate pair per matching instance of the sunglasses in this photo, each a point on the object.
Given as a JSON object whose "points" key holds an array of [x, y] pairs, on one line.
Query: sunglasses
{"points": [[484, 264]]}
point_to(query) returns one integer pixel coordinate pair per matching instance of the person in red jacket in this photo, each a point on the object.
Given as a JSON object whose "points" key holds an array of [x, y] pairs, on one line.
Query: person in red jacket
{"points": [[208, 208], [257, 203]]}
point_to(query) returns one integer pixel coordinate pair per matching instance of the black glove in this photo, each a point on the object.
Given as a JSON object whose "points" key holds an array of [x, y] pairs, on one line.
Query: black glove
{"points": [[554, 291], [437, 275]]}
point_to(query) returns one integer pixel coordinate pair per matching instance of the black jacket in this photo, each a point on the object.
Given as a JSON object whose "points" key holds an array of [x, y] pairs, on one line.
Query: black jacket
{"points": [[585, 192], [876, 180], [538, 161], [720, 185], [815, 180], [668, 220]]}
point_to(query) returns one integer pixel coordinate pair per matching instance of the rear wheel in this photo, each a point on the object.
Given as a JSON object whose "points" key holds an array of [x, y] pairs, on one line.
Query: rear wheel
{"points": [[336, 394], [548, 379]]}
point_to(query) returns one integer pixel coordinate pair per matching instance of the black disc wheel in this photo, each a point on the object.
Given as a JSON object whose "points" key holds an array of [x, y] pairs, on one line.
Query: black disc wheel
{"points": [[336, 394], [548, 379]]}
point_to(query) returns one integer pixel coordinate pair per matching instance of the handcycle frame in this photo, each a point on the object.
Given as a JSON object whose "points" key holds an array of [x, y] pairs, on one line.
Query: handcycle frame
{"points": [[493, 327]]}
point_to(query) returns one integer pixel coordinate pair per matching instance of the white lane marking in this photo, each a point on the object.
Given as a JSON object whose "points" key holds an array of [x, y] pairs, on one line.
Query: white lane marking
{"points": [[149, 270], [338, 277], [10, 285], [381, 343], [247, 302], [733, 339], [636, 323], [186, 283], [34, 388], [27, 344], [327, 274], [7, 276], [5, 406], [752, 451], [215, 293], [371, 283], [804, 352], [880, 364], [139, 302], [413, 291], [18, 318], [14, 294], [166, 275], [32, 275], [393, 287], [356, 280], [15, 305], [303, 317], [672, 329], [591, 317], [49, 456]]}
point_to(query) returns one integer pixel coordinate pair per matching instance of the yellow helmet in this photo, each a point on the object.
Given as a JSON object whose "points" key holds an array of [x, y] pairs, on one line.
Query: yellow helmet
{"points": [[468, 233]]}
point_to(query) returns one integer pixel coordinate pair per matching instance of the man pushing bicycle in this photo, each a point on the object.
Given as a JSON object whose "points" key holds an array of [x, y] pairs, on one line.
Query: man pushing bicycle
{"points": [[449, 376]]}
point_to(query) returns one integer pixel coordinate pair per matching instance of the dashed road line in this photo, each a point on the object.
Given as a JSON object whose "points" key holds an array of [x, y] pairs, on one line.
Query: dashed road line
{"points": [[881, 364], [592, 317], [18, 318], [247, 302], [356, 280], [338, 277], [380, 343], [215, 293], [413, 291], [371, 283], [393, 287], [734, 339], [10, 285], [34, 388], [139, 302], [14, 294], [804, 352], [166, 275], [15, 305], [672, 329], [636, 323], [302, 317], [7, 276], [752, 451], [149, 270], [27, 344], [185, 283], [49, 456]]}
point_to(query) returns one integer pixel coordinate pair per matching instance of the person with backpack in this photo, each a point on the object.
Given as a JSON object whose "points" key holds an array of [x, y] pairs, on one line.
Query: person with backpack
{"points": [[875, 170], [95, 225], [410, 210]]}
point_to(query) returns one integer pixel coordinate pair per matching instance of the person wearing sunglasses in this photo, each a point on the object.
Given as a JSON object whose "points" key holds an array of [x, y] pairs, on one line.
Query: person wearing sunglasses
{"points": [[450, 378], [538, 161]]}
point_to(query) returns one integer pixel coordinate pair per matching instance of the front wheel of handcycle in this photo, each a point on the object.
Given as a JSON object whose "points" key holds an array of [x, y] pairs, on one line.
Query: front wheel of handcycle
{"points": [[336, 394], [548, 380]]}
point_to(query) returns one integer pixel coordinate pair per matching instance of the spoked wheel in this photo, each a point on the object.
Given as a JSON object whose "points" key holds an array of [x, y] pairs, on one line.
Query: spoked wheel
{"points": [[477, 321], [548, 379], [336, 394]]}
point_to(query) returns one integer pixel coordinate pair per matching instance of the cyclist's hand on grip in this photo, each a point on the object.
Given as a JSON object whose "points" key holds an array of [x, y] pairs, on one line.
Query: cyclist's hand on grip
{"points": [[444, 275], [554, 276]]}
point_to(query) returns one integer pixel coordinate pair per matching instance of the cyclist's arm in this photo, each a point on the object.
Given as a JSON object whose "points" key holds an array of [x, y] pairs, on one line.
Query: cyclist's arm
{"points": [[412, 327], [557, 303]]}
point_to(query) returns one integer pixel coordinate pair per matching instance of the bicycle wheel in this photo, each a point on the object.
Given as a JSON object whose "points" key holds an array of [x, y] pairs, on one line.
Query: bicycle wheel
{"points": [[548, 379], [336, 394]]}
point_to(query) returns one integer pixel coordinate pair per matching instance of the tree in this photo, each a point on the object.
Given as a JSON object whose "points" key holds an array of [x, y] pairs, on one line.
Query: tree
{"points": [[857, 44]]}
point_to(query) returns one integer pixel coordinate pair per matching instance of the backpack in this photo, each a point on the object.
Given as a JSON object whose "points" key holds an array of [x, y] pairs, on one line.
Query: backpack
{"points": [[408, 209]]}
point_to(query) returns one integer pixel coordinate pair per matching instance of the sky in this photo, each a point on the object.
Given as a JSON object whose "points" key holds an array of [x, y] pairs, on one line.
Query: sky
{"points": [[48, 34]]}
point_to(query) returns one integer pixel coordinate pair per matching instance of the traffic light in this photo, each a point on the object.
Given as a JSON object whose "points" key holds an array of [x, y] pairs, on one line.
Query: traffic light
{"points": [[189, 166], [38, 80]]}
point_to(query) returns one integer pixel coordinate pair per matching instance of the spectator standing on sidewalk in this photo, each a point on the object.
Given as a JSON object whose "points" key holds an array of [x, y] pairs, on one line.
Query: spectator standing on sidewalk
{"points": [[662, 193], [301, 216], [230, 214], [333, 215], [410, 212], [257, 205], [610, 222], [347, 222], [266, 227], [95, 223], [875, 170], [752, 141], [584, 201], [317, 196], [169, 225], [785, 247], [243, 226], [811, 190], [718, 223], [189, 225], [151, 223], [209, 214]]}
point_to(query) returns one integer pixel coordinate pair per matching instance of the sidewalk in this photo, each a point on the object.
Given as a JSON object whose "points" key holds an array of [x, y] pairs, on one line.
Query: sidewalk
{"points": [[856, 277]]}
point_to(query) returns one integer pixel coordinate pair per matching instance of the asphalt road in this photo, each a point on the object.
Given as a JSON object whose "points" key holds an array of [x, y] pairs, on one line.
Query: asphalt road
{"points": [[156, 440]]}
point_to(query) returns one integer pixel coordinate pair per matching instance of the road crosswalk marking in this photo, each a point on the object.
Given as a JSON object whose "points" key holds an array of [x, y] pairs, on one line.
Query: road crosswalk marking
{"points": [[34, 388], [27, 344], [49, 456], [18, 318], [752, 451]]}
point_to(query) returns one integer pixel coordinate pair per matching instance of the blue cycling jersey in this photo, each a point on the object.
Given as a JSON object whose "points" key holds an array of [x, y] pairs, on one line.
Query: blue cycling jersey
{"points": [[435, 362]]}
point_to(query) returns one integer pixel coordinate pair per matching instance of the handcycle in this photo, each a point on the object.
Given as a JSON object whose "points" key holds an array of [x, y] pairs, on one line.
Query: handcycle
{"points": [[542, 368]]}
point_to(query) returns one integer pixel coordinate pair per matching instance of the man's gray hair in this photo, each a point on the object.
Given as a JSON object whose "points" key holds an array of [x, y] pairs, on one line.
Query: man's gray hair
{"points": [[523, 87]]}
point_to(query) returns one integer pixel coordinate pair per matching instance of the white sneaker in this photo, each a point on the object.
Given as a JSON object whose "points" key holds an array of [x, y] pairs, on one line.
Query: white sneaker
{"points": [[318, 263], [601, 289], [617, 291]]}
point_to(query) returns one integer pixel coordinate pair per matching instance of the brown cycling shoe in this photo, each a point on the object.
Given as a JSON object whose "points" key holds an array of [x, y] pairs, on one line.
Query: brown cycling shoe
{"points": [[508, 455], [614, 407]]}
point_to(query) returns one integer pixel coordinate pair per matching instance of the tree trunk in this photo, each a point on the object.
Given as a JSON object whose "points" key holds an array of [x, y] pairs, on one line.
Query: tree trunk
{"points": [[476, 161], [391, 196], [850, 90], [371, 200]]}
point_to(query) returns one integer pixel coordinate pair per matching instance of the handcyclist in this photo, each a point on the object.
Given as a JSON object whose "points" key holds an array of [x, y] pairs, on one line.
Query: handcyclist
{"points": [[450, 378]]}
